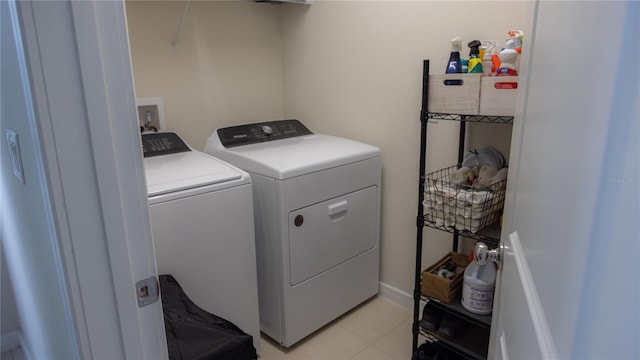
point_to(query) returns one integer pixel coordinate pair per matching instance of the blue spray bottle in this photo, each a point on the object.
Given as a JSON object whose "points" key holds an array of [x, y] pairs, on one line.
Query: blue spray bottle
{"points": [[454, 65]]}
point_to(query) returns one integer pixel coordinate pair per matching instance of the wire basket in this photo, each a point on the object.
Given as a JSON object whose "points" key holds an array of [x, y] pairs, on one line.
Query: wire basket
{"points": [[461, 206]]}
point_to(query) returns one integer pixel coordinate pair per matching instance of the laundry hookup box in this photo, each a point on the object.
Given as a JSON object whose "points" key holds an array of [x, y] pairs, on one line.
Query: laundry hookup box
{"points": [[437, 285]]}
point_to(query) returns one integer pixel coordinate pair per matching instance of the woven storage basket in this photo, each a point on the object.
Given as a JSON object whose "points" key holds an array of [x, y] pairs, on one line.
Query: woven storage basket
{"points": [[454, 93], [440, 288]]}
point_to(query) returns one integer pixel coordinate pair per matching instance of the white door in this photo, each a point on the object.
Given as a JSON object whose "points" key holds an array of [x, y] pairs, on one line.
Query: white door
{"points": [[569, 286], [67, 74]]}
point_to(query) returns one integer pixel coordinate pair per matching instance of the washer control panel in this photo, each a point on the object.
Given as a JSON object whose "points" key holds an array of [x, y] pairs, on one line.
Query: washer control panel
{"points": [[154, 144], [261, 132]]}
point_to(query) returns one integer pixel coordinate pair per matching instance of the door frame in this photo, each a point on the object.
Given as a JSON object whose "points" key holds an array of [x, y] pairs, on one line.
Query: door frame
{"points": [[80, 74]]}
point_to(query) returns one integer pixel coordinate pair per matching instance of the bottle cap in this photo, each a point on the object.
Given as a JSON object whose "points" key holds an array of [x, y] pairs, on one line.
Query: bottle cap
{"points": [[475, 47], [474, 44], [456, 44]]}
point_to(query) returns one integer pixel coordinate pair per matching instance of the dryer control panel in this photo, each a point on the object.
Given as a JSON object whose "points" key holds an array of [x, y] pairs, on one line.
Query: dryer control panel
{"points": [[163, 143], [261, 132]]}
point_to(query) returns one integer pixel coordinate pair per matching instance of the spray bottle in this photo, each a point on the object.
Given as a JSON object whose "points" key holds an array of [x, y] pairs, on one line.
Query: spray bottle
{"points": [[486, 52], [475, 62], [508, 59], [495, 60], [515, 42], [510, 55], [454, 65]]}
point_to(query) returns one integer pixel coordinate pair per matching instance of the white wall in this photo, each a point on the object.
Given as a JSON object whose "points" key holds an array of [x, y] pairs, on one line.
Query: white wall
{"points": [[354, 69], [347, 68], [227, 68]]}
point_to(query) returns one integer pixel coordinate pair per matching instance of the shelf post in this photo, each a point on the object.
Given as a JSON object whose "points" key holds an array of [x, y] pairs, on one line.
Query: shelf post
{"points": [[461, 144], [424, 119]]}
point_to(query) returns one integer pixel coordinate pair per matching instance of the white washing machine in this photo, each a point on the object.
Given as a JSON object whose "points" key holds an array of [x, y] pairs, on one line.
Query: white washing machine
{"points": [[201, 211], [317, 220]]}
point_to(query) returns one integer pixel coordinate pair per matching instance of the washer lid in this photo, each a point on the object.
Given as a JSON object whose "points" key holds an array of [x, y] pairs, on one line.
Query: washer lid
{"points": [[185, 170], [295, 156]]}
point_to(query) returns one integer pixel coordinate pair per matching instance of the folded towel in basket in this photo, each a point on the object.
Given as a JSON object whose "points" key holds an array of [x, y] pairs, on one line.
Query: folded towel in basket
{"points": [[486, 174], [464, 175], [462, 223], [474, 196], [499, 176], [471, 212]]}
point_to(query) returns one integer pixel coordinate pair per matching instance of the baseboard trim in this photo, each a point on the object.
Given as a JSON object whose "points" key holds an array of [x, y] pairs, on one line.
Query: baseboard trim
{"points": [[10, 340], [396, 295]]}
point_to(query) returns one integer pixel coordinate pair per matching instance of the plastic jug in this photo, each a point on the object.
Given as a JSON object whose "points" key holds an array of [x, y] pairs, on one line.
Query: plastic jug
{"points": [[477, 288]]}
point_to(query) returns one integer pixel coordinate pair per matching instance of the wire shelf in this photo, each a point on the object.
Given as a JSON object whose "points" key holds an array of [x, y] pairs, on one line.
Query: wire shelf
{"points": [[472, 344], [456, 308], [489, 234], [472, 118]]}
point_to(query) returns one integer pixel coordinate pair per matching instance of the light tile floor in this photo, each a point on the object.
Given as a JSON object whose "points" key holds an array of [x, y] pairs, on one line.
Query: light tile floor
{"points": [[376, 330]]}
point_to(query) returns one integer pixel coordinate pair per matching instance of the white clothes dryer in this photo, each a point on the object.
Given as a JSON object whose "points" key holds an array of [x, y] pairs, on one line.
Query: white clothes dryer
{"points": [[317, 221], [201, 211]]}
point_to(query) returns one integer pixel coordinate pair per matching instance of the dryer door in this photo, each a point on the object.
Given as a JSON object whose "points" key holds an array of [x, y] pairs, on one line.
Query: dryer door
{"points": [[330, 233]]}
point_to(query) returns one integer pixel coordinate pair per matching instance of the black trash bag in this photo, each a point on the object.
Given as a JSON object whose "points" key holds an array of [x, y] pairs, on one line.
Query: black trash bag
{"points": [[193, 333]]}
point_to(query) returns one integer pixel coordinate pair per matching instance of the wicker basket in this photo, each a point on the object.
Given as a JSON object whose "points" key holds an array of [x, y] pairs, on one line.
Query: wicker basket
{"points": [[440, 288], [460, 206]]}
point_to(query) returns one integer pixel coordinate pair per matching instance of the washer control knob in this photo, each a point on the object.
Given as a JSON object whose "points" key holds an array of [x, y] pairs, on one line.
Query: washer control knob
{"points": [[267, 130]]}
